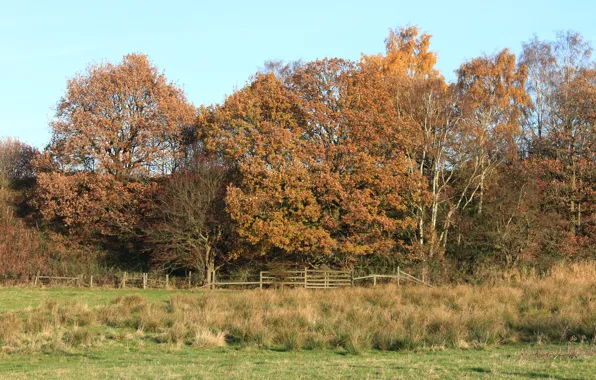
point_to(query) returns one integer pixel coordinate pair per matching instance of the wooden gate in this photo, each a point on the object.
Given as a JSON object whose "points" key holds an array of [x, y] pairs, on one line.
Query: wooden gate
{"points": [[307, 278]]}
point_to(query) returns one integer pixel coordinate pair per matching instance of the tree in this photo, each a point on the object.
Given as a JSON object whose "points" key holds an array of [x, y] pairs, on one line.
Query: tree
{"points": [[562, 87], [189, 219], [124, 120], [433, 107], [92, 204], [494, 97], [322, 169], [259, 133], [281, 69], [572, 130], [16, 161], [571, 167], [407, 54], [423, 99], [537, 56], [357, 143], [116, 128]]}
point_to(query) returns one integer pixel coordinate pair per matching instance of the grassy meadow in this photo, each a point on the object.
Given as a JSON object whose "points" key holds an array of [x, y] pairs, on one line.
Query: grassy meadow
{"points": [[524, 328], [135, 359]]}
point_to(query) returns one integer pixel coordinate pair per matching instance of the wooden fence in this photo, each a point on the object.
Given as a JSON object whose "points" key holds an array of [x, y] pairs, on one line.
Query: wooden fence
{"points": [[318, 279], [46, 279], [123, 280], [306, 278]]}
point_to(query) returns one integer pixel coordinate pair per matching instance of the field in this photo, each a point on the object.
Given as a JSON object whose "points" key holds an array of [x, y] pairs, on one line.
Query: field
{"points": [[131, 361], [532, 328]]}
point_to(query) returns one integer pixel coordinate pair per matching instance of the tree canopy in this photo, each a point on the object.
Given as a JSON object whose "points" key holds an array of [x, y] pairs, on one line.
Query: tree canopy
{"points": [[378, 162]]}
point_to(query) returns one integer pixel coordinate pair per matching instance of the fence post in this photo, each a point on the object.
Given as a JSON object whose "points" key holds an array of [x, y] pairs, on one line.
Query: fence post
{"points": [[352, 277], [305, 278], [213, 279], [91, 281], [124, 281], [398, 275], [374, 280], [189, 277], [36, 279], [326, 279], [167, 280], [261, 280], [144, 281]]}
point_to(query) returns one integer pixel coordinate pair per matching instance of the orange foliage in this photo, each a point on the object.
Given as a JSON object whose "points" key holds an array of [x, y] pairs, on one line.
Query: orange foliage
{"points": [[87, 203], [322, 162], [122, 120], [407, 55], [116, 127], [494, 97], [330, 161]]}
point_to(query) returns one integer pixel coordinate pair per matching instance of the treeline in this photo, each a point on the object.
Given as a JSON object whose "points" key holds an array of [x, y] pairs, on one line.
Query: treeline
{"points": [[375, 163]]}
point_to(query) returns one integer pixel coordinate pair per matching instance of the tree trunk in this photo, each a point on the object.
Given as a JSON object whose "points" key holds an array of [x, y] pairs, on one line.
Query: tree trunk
{"points": [[211, 270], [572, 214], [481, 194], [209, 267]]}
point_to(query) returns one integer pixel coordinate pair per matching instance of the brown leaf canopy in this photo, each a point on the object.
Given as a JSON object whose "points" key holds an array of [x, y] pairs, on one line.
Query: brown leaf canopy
{"points": [[123, 120], [321, 160], [16, 160]]}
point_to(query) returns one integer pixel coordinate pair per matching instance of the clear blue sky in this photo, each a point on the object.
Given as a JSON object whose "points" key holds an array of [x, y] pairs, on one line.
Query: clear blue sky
{"points": [[211, 47]]}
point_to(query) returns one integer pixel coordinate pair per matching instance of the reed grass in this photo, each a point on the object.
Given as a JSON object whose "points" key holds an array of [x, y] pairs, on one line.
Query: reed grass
{"points": [[554, 309]]}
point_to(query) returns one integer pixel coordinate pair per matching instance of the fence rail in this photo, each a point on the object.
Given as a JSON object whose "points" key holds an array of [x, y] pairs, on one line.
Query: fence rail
{"points": [[401, 276], [306, 278], [319, 279], [39, 279]]}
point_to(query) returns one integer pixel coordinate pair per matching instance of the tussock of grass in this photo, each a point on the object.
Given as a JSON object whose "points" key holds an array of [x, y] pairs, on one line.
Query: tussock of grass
{"points": [[556, 309]]}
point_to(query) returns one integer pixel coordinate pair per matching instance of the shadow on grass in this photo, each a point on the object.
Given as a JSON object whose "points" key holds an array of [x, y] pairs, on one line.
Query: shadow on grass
{"points": [[538, 375], [280, 349], [480, 370], [72, 354]]}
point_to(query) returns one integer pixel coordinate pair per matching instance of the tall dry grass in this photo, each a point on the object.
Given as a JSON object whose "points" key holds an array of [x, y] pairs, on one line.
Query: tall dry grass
{"points": [[559, 308]]}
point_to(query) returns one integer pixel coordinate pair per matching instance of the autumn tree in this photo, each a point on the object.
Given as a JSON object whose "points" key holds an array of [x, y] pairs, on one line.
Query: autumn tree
{"points": [[329, 162], [422, 99], [358, 143], [432, 107], [538, 58], [494, 97], [321, 161], [16, 161], [189, 219], [259, 132], [572, 136], [116, 126], [539, 209], [21, 251], [16, 177], [565, 101], [122, 120], [407, 55]]}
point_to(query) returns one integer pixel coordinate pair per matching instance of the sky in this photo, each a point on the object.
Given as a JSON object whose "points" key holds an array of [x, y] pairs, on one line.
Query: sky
{"points": [[210, 48]]}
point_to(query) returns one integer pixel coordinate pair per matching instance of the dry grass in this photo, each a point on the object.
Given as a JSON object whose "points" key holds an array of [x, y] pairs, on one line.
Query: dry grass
{"points": [[559, 308]]}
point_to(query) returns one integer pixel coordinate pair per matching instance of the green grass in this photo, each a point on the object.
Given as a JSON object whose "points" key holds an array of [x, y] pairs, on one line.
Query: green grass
{"points": [[20, 298], [132, 361]]}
